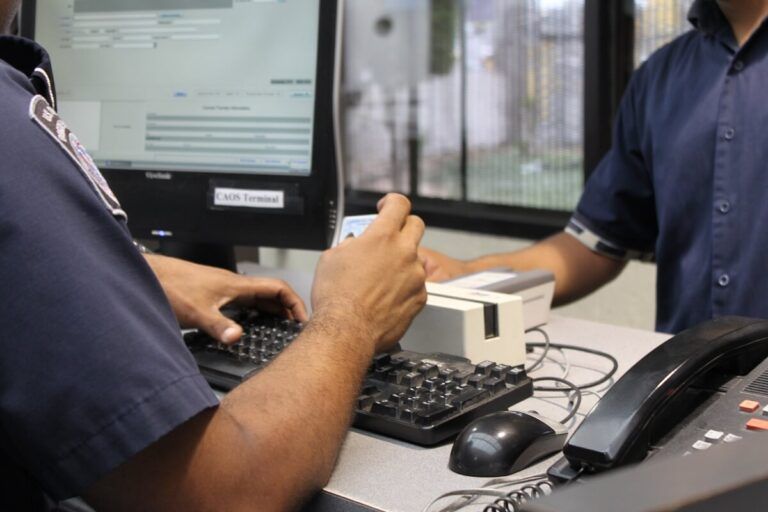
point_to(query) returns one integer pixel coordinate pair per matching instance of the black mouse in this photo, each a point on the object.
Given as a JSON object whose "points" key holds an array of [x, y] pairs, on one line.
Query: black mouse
{"points": [[505, 442]]}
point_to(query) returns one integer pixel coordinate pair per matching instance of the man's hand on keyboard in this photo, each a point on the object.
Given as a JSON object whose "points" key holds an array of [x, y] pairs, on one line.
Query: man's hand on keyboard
{"points": [[374, 284], [197, 292]]}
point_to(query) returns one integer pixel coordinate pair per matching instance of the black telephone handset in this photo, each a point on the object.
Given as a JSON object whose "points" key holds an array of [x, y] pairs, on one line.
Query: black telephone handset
{"points": [[660, 391]]}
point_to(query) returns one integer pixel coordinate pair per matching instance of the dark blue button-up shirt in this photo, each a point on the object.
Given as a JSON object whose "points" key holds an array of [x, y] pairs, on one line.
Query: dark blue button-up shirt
{"points": [[92, 365], [686, 180]]}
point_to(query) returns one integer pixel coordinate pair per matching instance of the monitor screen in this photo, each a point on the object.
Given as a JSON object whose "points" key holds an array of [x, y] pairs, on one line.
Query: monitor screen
{"points": [[203, 114]]}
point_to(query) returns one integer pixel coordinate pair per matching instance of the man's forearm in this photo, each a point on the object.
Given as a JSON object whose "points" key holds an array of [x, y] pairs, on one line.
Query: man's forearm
{"points": [[578, 271], [314, 382], [272, 442]]}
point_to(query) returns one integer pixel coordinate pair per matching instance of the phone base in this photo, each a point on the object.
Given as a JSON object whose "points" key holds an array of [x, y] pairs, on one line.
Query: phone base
{"points": [[562, 472]]}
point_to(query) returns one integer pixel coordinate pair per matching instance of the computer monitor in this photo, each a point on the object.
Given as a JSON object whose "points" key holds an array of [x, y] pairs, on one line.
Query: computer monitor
{"points": [[212, 120]]}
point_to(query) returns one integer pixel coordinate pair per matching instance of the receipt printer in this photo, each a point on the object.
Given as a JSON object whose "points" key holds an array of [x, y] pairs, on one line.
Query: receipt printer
{"points": [[535, 287], [477, 324]]}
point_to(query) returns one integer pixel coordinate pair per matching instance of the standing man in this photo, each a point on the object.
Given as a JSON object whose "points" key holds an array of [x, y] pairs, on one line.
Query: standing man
{"points": [[684, 183], [99, 397]]}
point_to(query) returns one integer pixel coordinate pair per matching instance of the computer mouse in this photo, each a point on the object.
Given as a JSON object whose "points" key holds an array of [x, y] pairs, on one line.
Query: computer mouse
{"points": [[505, 442]]}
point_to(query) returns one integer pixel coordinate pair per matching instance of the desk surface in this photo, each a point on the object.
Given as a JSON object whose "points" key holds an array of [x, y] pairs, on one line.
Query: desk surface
{"points": [[381, 474], [377, 473]]}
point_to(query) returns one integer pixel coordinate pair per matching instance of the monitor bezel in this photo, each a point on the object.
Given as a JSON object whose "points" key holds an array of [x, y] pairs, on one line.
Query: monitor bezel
{"points": [[179, 210]]}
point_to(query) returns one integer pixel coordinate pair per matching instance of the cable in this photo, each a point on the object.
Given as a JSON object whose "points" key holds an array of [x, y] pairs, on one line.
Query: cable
{"points": [[574, 387], [546, 346], [565, 364], [604, 378], [491, 489], [512, 501]]}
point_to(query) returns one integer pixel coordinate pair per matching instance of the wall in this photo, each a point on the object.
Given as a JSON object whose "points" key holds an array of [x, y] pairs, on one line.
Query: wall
{"points": [[628, 301]]}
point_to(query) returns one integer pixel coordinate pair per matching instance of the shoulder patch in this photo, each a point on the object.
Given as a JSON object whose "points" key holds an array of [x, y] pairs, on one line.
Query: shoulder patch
{"points": [[41, 113]]}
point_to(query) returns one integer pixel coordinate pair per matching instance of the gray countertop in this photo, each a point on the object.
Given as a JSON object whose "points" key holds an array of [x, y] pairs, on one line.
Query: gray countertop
{"points": [[382, 474], [385, 474]]}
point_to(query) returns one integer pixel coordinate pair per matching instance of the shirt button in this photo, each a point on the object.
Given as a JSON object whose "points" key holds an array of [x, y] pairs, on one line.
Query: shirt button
{"points": [[724, 280], [729, 133], [738, 65], [724, 207]]}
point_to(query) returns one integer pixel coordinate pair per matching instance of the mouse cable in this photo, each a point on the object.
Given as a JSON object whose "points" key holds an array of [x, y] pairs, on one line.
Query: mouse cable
{"points": [[492, 489], [575, 400], [609, 357], [538, 362], [564, 364]]}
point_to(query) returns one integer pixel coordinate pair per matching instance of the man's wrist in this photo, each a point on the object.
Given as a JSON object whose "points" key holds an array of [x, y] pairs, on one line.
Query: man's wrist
{"points": [[342, 323]]}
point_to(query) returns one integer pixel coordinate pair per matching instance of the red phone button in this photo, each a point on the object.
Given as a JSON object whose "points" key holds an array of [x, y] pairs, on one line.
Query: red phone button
{"points": [[749, 406], [756, 424]]}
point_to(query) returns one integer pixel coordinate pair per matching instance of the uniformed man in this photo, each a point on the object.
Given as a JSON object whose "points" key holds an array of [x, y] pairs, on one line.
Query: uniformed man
{"points": [[99, 396], [684, 183]]}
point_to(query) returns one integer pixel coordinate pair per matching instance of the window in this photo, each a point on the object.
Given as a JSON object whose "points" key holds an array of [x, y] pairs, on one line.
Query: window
{"points": [[657, 22], [488, 104], [477, 108]]}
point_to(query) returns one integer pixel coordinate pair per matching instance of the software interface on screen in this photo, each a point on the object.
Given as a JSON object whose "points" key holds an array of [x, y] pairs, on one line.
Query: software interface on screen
{"points": [[197, 85]]}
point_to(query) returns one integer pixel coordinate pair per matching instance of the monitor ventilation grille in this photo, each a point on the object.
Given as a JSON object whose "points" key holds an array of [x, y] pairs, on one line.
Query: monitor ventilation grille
{"points": [[759, 386]]}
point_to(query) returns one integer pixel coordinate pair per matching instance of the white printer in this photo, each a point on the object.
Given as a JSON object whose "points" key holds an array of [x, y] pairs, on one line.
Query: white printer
{"points": [[535, 287], [464, 318]]}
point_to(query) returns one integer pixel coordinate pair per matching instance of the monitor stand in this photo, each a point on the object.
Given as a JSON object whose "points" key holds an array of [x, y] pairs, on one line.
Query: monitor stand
{"points": [[215, 255]]}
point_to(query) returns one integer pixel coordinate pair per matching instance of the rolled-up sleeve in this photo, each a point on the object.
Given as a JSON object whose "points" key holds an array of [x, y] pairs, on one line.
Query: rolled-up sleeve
{"points": [[616, 215]]}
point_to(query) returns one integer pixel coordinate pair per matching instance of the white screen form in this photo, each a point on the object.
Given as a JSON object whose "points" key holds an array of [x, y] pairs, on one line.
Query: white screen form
{"points": [[187, 85]]}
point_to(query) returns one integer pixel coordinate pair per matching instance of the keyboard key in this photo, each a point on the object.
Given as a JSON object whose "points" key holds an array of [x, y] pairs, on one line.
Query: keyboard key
{"points": [[410, 365], [500, 371], [433, 414], [484, 368], [381, 360], [398, 399], [396, 377], [382, 372], [364, 402], [428, 370], [413, 380], [384, 408], [515, 376], [447, 373], [451, 386], [462, 377], [494, 385], [407, 414], [433, 384], [469, 396], [476, 380], [370, 390], [397, 361]]}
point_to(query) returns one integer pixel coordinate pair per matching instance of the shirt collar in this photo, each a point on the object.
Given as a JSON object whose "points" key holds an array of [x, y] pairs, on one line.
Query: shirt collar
{"points": [[706, 17], [31, 59]]}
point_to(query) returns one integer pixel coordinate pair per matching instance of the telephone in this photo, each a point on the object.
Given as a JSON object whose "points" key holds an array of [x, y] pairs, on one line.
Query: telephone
{"points": [[689, 387]]}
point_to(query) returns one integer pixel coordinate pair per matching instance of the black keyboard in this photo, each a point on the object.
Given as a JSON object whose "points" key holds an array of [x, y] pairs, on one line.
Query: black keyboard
{"points": [[420, 398]]}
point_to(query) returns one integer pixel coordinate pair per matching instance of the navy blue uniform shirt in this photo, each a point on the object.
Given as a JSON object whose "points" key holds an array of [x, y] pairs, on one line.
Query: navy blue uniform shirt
{"points": [[92, 365], [686, 181]]}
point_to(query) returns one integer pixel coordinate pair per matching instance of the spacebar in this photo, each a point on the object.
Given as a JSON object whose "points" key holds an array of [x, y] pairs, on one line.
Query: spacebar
{"points": [[239, 370]]}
